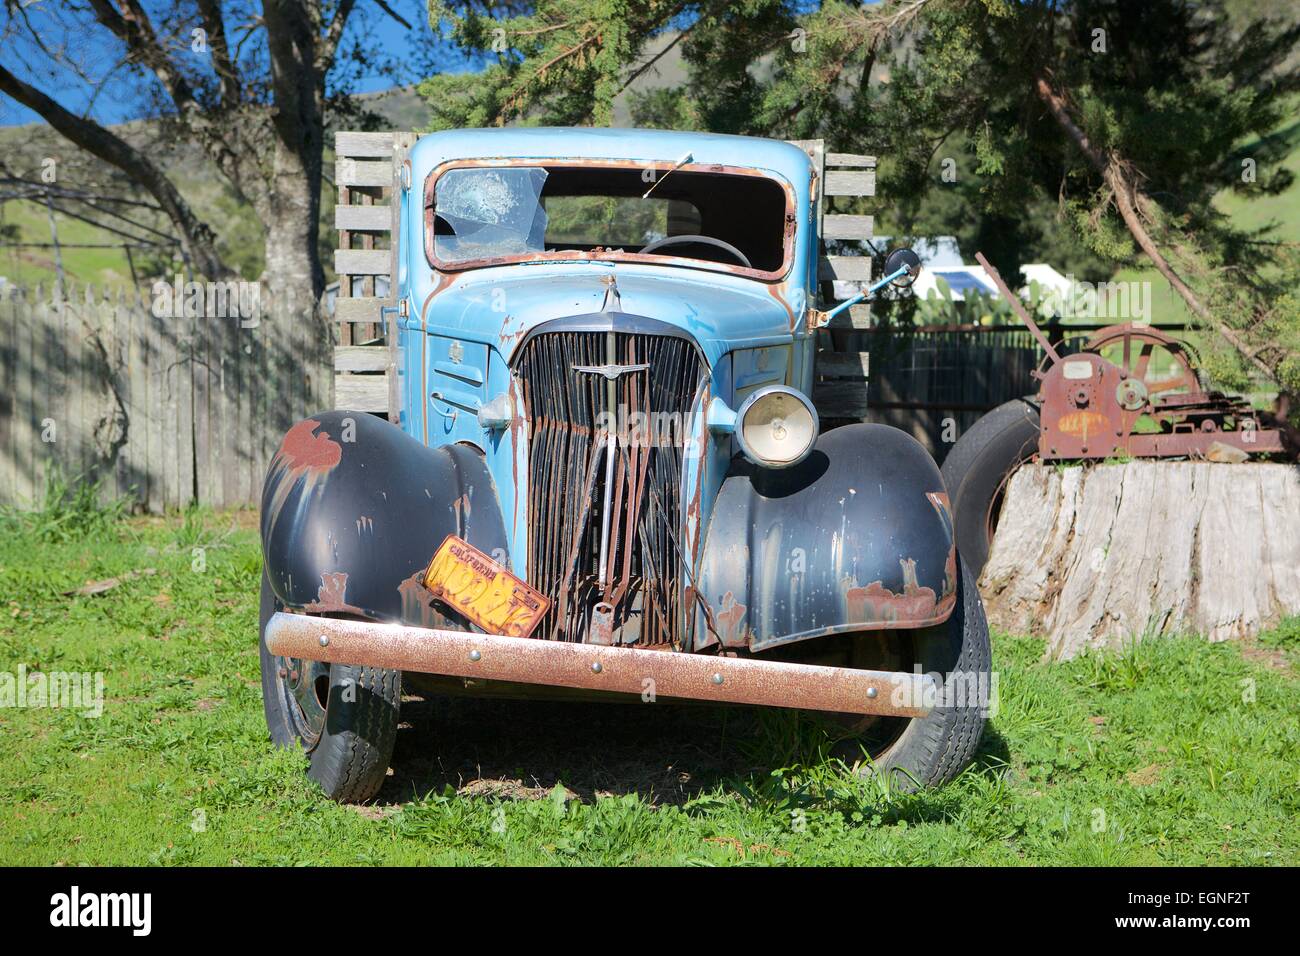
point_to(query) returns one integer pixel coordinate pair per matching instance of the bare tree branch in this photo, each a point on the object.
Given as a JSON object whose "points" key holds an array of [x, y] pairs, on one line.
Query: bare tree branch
{"points": [[394, 14], [330, 44], [197, 239], [227, 71]]}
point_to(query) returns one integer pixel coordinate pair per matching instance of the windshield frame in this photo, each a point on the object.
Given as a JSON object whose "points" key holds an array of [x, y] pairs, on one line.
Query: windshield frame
{"points": [[574, 255]]}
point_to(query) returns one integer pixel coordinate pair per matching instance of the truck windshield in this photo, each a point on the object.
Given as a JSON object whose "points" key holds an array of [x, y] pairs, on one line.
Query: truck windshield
{"points": [[484, 214]]}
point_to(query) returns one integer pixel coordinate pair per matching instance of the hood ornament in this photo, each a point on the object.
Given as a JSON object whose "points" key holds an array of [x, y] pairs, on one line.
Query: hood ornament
{"points": [[610, 372]]}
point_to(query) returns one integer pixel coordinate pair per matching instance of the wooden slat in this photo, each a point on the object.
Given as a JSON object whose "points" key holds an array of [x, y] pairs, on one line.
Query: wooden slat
{"points": [[361, 358], [856, 317], [851, 365], [156, 416], [267, 435], [840, 399], [850, 159], [844, 268], [858, 183], [362, 262], [363, 393], [137, 387], [240, 449], [363, 144], [846, 227], [28, 460], [360, 172], [120, 361], [370, 218], [9, 305], [358, 310], [169, 434], [52, 387]]}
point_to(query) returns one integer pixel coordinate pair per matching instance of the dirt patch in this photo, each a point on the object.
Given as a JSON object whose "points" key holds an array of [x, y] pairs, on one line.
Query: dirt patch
{"points": [[509, 790], [1271, 657], [372, 812], [1147, 776]]}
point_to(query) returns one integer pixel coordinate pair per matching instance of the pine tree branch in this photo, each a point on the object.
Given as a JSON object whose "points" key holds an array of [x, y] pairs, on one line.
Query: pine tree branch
{"points": [[1129, 201]]}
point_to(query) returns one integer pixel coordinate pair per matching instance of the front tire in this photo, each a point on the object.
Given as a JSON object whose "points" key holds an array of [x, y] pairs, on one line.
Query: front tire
{"points": [[931, 750], [344, 716]]}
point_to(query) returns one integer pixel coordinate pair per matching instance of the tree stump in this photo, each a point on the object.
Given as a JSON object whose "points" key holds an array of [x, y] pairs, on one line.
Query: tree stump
{"points": [[1097, 555]]}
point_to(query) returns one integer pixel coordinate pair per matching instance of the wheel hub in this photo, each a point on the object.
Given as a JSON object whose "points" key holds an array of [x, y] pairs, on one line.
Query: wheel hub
{"points": [[306, 693]]}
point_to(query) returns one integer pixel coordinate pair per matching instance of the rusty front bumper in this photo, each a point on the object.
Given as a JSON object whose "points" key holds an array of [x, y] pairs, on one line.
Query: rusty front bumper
{"points": [[667, 674]]}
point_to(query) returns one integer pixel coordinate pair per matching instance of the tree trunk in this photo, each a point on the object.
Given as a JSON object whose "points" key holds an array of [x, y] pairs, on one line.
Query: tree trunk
{"points": [[1099, 555], [293, 269]]}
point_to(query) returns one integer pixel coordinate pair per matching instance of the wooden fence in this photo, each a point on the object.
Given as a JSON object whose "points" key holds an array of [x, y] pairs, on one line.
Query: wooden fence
{"points": [[164, 410]]}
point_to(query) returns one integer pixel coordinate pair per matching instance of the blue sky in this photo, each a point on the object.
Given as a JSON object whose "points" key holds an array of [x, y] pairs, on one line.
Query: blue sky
{"points": [[91, 46]]}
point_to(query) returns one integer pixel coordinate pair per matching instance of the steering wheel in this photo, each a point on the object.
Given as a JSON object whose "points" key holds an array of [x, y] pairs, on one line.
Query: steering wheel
{"points": [[697, 240]]}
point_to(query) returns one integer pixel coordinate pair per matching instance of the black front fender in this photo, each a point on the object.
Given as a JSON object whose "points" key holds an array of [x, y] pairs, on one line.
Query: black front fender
{"points": [[858, 537], [353, 510]]}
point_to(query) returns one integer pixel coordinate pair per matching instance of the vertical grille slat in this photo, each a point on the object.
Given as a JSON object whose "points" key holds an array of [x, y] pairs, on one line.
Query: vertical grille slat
{"points": [[566, 474]]}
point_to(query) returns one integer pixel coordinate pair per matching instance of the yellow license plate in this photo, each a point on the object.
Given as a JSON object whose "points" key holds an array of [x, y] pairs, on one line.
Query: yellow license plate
{"points": [[485, 592]]}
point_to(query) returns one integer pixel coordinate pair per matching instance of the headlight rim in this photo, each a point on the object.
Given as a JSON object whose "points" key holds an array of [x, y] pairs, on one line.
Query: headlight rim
{"points": [[749, 403]]}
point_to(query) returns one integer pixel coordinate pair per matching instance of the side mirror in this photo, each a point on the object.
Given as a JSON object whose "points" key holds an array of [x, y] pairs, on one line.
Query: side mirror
{"points": [[901, 269], [903, 259]]}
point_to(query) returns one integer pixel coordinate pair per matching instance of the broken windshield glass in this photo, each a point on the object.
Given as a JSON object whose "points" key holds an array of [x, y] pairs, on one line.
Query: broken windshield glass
{"points": [[484, 213]]}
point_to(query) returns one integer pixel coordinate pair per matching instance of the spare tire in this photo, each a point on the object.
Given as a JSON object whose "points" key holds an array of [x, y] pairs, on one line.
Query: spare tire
{"points": [[976, 471]]}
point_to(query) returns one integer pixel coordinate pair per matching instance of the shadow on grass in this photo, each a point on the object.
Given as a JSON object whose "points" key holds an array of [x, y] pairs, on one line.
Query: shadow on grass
{"points": [[666, 754]]}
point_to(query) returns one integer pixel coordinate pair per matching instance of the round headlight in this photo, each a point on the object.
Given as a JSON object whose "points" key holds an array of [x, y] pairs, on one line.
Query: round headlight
{"points": [[776, 426]]}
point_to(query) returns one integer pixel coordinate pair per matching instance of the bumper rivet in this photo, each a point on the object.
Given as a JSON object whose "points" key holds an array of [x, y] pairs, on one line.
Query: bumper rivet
{"points": [[717, 678], [476, 655], [872, 692], [324, 641], [595, 667]]}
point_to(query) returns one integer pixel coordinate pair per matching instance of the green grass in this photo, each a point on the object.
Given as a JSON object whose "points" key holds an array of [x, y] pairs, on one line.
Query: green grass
{"points": [[1177, 751]]}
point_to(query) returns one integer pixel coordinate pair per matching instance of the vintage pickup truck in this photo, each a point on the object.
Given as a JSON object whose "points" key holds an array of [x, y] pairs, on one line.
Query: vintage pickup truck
{"points": [[602, 473]]}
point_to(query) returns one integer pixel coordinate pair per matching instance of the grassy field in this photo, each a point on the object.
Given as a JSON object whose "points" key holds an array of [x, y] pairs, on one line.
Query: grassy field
{"points": [[1177, 751]]}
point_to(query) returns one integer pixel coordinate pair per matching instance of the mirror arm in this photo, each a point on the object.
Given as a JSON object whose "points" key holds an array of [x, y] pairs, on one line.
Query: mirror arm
{"points": [[871, 290]]}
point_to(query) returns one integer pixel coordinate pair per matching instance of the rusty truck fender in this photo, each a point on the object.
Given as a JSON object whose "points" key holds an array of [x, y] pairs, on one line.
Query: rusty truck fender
{"points": [[352, 509], [857, 537]]}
